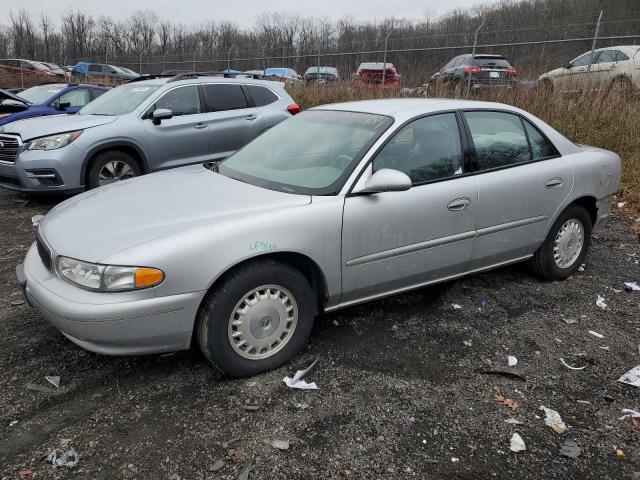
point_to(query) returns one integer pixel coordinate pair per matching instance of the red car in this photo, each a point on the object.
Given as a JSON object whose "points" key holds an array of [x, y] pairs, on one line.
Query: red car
{"points": [[16, 66], [370, 75]]}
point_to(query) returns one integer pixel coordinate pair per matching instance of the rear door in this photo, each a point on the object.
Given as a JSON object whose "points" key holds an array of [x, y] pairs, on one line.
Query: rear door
{"points": [[232, 121], [604, 69], [522, 181], [182, 139], [264, 99]]}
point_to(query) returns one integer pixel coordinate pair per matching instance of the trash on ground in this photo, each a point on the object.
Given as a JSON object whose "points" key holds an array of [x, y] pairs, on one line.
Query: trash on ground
{"points": [[17, 302], [570, 367], [552, 419], [604, 348], [600, 302], [619, 453], [628, 413], [36, 219], [301, 405], [507, 402], [581, 268], [251, 408], [13, 422], [244, 473], [570, 321], [504, 373], [517, 444], [467, 343], [631, 287], [217, 465], [512, 361], [456, 306], [280, 444], [621, 204], [570, 448], [454, 460], [514, 421], [38, 388], [59, 458], [25, 473], [297, 380], [632, 377], [484, 303], [54, 380], [596, 334]]}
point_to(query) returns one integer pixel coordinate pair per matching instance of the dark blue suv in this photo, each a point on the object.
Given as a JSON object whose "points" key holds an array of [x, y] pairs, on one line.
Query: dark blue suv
{"points": [[48, 99]]}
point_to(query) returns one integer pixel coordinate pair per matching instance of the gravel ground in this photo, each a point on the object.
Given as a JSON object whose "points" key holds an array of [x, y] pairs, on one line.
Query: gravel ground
{"points": [[403, 385]]}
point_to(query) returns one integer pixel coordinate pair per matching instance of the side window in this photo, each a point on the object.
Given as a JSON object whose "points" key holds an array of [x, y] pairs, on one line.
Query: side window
{"points": [[97, 93], [607, 56], [26, 65], [224, 96], [76, 98], [621, 56], [499, 139], [261, 95], [181, 101], [541, 147], [584, 60], [427, 149], [95, 68]]}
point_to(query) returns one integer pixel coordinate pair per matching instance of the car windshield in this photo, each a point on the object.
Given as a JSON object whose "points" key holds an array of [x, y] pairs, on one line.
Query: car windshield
{"points": [[312, 153], [37, 95], [120, 100]]}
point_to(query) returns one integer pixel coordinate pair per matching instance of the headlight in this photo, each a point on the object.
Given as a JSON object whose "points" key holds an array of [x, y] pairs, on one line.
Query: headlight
{"points": [[108, 278], [53, 142]]}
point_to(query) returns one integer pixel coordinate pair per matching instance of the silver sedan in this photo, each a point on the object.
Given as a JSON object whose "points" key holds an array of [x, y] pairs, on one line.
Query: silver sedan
{"points": [[339, 205]]}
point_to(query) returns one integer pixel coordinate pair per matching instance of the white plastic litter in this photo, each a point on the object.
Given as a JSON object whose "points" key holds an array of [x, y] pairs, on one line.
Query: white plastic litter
{"points": [[628, 413], [552, 419], [517, 444], [58, 458], [632, 377], [456, 306], [621, 204], [570, 367], [512, 361], [55, 380], [297, 380], [632, 286], [596, 334], [514, 421], [36, 219], [600, 302]]}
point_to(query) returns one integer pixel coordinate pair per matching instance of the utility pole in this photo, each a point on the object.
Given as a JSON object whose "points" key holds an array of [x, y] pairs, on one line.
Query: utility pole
{"points": [[229, 57], [595, 39], [473, 55], [384, 61]]}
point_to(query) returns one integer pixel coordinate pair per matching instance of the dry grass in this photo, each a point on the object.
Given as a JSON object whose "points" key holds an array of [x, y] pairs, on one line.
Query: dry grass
{"points": [[599, 119]]}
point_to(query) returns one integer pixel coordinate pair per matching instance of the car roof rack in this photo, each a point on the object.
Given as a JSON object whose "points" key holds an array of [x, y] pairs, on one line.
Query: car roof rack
{"points": [[145, 77], [187, 75]]}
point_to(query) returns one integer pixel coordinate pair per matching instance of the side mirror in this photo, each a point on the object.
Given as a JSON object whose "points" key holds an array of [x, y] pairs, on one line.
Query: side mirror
{"points": [[386, 180], [160, 114], [62, 106], [567, 65]]}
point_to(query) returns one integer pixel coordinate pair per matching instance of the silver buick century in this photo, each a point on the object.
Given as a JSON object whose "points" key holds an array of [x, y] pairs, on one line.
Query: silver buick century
{"points": [[339, 205]]}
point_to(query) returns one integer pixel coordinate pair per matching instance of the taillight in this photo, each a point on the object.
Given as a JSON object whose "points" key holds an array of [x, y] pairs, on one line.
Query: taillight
{"points": [[293, 109], [511, 70], [475, 70]]}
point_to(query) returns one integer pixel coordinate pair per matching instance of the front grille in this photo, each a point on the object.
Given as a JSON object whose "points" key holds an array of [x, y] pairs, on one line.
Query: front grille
{"points": [[9, 148], [43, 251]]}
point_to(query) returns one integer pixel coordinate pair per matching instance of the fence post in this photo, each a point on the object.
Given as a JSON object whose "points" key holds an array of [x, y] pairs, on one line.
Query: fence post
{"points": [[595, 39], [194, 61], [473, 54], [229, 57], [384, 61]]}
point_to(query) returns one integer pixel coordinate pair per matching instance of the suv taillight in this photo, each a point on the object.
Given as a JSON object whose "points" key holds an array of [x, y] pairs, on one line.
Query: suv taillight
{"points": [[511, 70], [293, 109], [475, 70]]}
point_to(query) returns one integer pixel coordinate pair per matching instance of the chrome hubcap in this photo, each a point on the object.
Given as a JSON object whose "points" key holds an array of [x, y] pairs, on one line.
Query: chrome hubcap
{"points": [[114, 171], [568, 244], [263, 322]]}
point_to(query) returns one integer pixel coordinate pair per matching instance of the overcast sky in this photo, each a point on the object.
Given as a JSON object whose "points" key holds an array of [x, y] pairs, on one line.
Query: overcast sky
{"points": [[240, 11]]}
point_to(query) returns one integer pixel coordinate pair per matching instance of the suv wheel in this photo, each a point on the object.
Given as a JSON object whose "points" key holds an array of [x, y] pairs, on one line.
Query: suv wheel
{"points": [[112, 166], [257, 319], [566, 245]]}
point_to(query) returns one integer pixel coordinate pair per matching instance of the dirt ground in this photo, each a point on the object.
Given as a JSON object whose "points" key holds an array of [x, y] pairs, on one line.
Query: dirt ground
{"points": [[403, 389]]}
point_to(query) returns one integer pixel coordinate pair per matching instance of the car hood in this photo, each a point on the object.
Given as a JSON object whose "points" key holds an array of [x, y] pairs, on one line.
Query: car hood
{"points": [[4, 95], [107, 220], [552, 73], [42, 126]]}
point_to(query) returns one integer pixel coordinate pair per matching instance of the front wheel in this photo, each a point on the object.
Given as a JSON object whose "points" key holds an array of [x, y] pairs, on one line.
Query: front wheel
{"points": [[566, 245], [256, 319], [112, 166]]}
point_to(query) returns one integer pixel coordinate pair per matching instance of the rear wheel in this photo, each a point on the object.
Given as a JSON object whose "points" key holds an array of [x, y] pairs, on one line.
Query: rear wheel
{"points": [[566, 245], [621, 87], [110, 167], [257, 319]]}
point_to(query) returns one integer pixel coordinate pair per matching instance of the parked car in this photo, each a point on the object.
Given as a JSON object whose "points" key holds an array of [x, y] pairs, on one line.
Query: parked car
{"points": [[370, 75], [137, 128], [612, 68], [484, 70], [129, 71], [285, 75], [173, 73], [321, 75], [16, 66], [49, 99], [57, 70], [340, 205], [102, 70]]}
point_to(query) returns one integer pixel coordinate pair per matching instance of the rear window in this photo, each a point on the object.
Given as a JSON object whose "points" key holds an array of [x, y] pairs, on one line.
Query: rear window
{"points": [[261, 95], [220, 97], [492, 62]]}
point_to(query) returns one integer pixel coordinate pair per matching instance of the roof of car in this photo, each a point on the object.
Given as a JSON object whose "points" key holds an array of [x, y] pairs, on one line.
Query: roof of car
{"points": [[203, 79], [408, 107], [624, 48]]}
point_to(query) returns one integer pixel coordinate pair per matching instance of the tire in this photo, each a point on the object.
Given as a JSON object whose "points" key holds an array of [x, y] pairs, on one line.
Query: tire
{"points": [[546, 86], [219, 336], [123, 166], [620, 87], [544, 262]]}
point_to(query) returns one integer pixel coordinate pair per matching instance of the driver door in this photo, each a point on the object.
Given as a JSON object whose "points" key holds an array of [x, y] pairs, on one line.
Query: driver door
{"points": [[182, 139], [397, 240]]}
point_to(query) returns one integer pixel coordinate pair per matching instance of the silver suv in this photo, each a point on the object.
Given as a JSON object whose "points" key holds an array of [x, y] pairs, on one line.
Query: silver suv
{"points": [[137, 128]]}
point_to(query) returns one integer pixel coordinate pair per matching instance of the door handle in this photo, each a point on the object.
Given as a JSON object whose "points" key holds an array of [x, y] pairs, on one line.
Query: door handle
{"points": [[251, 117], [200, 126], [553, 183], [459, 204]]}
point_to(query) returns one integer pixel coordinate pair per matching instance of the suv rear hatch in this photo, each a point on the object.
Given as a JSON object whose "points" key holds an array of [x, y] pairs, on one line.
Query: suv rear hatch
{"points": [[493, 70], [371, 74]]}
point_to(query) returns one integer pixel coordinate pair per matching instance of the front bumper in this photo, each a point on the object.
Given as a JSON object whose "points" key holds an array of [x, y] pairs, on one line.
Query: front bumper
{"points": [[45, 171], [126, 323]]}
